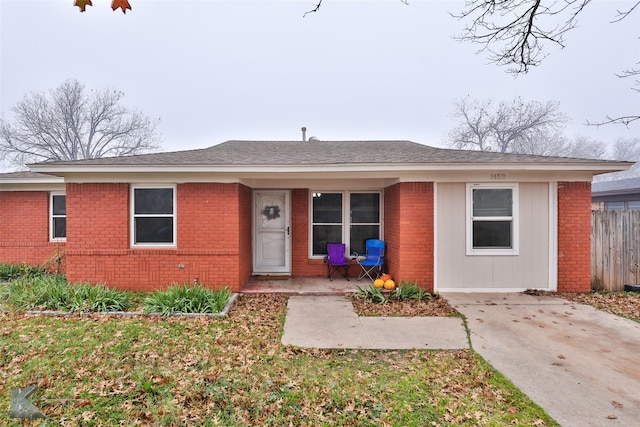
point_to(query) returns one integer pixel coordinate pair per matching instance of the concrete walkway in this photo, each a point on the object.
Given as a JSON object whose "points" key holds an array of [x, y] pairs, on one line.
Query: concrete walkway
{"points": [[330, 322], [580, 364]]}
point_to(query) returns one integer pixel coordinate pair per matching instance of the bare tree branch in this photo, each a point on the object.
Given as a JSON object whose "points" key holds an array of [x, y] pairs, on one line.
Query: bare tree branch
{"points": [[315, 9], [512, 30], [620, 120], [633, 72], [506, 127], [69, 124], [622, 14]]}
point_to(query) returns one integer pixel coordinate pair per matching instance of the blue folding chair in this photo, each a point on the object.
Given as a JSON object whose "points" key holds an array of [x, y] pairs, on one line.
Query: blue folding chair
{"points": [[371, 263]]}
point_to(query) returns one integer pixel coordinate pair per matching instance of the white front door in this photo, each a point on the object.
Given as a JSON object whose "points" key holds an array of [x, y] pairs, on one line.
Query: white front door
{"points": [[272, 233]]}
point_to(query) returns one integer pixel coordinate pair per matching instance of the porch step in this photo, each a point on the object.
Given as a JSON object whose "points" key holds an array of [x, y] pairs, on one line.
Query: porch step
{"points": [[316, 286]]}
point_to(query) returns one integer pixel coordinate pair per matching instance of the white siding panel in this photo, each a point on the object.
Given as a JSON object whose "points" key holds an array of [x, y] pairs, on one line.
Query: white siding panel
{"points": [[529, 269]]}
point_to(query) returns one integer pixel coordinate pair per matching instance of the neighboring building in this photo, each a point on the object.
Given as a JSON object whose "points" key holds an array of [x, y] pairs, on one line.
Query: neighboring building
{"points": [[618, 195], [452, 220]]}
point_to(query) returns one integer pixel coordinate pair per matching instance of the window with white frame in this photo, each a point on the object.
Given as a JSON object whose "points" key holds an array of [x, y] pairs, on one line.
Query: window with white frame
{"points": [[153, 216], [344, 217], [58, 218], [492, 219]]}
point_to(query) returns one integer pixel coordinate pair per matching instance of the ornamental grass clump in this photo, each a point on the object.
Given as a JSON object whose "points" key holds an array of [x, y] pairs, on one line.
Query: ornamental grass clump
{"points": [[404, 291], [409, 290], [9, 272], [44, 293], [372, 294], [52, 292], [98, 298], [183, 299]]}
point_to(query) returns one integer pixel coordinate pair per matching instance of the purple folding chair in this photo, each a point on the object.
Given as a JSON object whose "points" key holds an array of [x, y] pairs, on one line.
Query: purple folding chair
{"points": [[336, 260]]}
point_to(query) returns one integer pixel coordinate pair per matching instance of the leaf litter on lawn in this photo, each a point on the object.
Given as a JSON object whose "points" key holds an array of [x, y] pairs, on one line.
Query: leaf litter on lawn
{"points": [[437, 306], [621, 303], [625, 304], [105, 370]]}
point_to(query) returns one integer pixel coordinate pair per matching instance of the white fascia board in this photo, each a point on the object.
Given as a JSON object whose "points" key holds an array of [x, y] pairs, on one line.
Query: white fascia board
{"points": [[42, 180], [32, 187], [32, 184], [596, 167]]}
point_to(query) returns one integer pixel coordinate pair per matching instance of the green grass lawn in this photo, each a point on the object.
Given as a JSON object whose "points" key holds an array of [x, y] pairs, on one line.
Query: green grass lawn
{"points": [[104, 370]]}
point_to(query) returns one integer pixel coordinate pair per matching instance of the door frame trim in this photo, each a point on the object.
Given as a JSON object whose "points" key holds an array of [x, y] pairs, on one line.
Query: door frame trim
{"points": [[254, 214]]}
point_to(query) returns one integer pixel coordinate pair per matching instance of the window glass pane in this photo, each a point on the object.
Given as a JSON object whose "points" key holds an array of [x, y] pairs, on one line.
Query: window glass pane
{"points": [[59, 227], [154, 230], [360, 234], [153, 201], [365, 207], [59, 205], [323, 234], [614, 206], [492, 234], [327, 208], [633, 205], [492, 202]]}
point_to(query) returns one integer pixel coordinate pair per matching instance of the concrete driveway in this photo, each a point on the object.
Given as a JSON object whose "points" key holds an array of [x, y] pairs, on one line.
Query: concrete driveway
{"points": [[580, 364]]}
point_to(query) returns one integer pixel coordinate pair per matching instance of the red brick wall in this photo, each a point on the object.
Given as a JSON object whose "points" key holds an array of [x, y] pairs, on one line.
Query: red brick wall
{"points": [[574, 236], [24, 229], [409, 232], [301, 265], [245, 240], [213, 238], [97, 216]]}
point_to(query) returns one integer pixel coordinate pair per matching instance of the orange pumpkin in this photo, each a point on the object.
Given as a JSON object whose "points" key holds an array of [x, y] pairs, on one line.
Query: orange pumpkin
{"points": [[378, 283], [385, 277], [389, 285]]}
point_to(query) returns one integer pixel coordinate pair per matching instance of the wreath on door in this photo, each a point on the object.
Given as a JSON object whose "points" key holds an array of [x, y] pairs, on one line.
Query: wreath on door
{"points": [[271, 212]]}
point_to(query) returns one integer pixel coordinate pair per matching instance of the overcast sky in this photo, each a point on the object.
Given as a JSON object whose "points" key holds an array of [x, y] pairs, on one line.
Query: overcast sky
{"points": [[219, 70]]}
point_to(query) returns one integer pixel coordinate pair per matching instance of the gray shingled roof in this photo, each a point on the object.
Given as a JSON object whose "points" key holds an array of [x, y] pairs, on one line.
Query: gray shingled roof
{"points": [[27, 175], [619, 186], [290, 153]]}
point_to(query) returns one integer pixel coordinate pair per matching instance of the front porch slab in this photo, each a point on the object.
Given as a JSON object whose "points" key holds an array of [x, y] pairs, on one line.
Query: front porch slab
{"points": [[303, 286]]}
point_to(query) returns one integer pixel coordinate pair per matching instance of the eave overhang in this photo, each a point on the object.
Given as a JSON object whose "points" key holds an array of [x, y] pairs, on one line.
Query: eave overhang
{"points": [[597, 167]]}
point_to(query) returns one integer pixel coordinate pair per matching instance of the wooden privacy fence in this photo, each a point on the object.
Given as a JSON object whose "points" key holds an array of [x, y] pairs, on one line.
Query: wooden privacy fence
{"points": [[615, 249]]}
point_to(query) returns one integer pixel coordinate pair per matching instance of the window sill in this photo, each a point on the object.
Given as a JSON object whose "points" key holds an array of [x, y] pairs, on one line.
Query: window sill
{"points": [[493, 252]]}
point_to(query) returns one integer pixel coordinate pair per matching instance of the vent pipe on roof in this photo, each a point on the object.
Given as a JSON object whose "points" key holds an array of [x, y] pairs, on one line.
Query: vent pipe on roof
{"points": [[304, 133]]}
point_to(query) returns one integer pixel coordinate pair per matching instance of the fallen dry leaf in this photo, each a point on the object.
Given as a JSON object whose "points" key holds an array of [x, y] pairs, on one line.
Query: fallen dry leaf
{"points": [[82, 4], [407, 308], [122, 4]]}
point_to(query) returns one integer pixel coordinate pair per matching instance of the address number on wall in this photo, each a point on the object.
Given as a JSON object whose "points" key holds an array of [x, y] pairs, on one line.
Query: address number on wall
{"points": [[498, 176]]}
